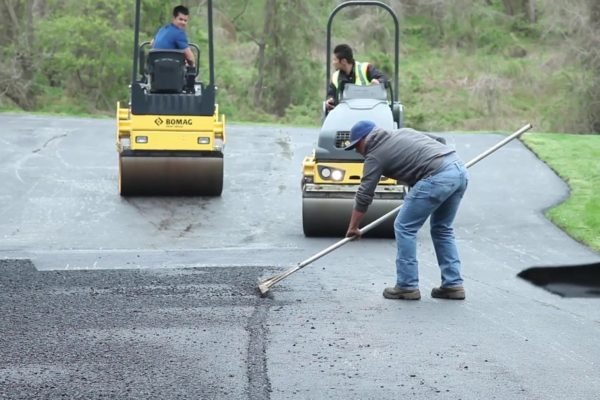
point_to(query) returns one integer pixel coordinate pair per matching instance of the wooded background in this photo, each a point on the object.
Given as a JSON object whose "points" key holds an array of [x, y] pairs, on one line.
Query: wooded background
{"points": [[464, 64]]}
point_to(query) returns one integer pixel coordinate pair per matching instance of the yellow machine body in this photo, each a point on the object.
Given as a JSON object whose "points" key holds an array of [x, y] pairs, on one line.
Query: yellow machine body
{"points": [[328, 198], [170, 154], [170, 136], [331, 175], [351, 172]]}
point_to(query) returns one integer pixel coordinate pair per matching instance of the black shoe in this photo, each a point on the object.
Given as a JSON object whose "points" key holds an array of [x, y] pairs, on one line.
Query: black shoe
{"points": [[398, 293], [451, 293]]}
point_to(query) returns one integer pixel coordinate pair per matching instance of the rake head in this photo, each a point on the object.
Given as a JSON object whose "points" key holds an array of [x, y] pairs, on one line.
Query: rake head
{"points": [[263, 287], [266, 284]]}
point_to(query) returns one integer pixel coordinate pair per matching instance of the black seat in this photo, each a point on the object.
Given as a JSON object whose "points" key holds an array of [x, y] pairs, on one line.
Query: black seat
{"points": [[167, 71]]}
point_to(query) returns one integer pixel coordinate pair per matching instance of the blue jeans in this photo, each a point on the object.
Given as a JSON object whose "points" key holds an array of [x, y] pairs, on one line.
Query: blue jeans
{"points": [[438, 196]]}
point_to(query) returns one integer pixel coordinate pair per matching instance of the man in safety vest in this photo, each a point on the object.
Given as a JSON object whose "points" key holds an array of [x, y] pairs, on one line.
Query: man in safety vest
{"points": [[349, 71]]}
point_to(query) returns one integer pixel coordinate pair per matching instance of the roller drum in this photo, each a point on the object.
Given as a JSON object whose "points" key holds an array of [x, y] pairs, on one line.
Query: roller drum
{"points": [[330, 216], [160, 175]]}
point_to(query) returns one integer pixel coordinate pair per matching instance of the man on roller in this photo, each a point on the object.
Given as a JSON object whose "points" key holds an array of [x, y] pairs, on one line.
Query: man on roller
{"points": [[347, 70], [173, 37]]}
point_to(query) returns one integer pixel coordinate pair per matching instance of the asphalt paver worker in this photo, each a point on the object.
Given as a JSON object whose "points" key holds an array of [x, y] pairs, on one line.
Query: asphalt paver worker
{"points": [[438, 180]]}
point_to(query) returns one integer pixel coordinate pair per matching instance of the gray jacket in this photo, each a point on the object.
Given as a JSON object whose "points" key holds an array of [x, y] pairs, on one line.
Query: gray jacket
{"points": [[405, 154]]}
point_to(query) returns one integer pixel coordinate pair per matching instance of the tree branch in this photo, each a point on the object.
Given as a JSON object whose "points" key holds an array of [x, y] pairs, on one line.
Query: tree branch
{"points": [[234, 19], [12, 14]]}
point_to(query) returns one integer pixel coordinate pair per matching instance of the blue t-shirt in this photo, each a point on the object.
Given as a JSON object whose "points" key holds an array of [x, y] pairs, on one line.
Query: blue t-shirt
{"points": [[170, 37]]}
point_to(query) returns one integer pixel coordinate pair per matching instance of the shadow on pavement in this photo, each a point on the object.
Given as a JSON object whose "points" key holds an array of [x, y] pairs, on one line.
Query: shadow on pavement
{"points": [[566, 281]]}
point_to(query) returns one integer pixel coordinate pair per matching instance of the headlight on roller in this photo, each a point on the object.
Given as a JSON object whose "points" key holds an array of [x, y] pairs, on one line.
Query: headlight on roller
{"points": [[203, 140], [141, 139], [331, 174], [337, 175]]}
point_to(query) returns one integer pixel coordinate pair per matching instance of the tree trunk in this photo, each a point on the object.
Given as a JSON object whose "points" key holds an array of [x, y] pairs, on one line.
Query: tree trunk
{"points": [[594, 20], [17, 72], [260, 58], [524, 8], [593, 65], [260, 66], [531, 11], [25, 56], [509, 7], [38, 10]]}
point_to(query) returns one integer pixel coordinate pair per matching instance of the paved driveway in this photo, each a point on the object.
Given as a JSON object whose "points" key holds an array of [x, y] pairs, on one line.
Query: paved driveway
{"points": [[156, 298]]}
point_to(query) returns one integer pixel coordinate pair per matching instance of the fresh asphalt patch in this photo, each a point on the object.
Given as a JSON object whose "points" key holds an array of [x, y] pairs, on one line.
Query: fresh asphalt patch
{"points": [[140, 333]]}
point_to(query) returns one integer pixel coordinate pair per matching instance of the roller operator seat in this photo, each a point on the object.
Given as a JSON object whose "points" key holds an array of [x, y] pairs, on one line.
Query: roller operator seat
{"points": [[167, 70]]}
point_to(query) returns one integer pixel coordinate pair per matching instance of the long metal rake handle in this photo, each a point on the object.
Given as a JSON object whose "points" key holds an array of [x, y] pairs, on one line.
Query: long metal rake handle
{"points": [[267, 283]]}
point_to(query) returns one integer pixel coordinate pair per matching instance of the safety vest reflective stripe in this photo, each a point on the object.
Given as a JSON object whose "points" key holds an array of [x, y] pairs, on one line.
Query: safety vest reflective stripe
{"points": [[361, 70], [360, 75]]}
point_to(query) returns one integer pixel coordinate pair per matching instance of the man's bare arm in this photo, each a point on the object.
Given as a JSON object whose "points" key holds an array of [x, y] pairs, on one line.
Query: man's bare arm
{"points": [[189, 57]]}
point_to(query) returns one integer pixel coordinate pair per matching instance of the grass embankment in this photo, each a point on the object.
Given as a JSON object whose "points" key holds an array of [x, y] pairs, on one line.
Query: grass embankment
{"points": [[576, 159]]}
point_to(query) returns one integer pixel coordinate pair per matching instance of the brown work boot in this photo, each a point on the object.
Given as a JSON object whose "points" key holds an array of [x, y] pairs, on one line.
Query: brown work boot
{"points": [[401, 294], [452, 293]]}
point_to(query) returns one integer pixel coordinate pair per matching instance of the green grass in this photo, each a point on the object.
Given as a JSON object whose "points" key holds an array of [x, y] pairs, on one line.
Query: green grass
{"points": [[576, 159], [56, 101], [11, 109]]}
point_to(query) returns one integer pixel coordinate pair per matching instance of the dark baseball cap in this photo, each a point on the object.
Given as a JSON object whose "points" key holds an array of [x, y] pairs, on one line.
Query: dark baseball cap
{"points": [[358, 132]]}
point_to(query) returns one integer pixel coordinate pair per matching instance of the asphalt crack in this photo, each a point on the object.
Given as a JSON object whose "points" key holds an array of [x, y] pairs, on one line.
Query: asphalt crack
{"points": [[259, 384]]}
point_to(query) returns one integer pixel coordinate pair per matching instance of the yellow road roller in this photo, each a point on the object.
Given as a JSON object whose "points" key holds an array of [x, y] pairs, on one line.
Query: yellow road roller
{"points": [[170, 137], [331, 175]]}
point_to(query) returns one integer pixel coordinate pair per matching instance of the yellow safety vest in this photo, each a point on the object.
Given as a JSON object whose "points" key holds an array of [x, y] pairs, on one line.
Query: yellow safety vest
{"points": [[360, 74]]}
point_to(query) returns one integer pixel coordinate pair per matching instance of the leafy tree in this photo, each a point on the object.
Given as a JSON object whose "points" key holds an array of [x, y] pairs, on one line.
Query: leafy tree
{"points": [[286, 75], [521, 7], [75, 55], [17, 64], [590, 53], [93, 64]]}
